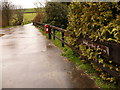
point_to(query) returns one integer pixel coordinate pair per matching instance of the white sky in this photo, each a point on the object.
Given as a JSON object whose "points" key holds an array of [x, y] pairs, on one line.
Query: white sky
{"points": [[30, 3], [26, 3]]}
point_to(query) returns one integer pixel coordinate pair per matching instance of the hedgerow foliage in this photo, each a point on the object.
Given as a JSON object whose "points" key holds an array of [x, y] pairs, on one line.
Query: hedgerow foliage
{"points": [[56, 14], [98, 21], [40, 17]]}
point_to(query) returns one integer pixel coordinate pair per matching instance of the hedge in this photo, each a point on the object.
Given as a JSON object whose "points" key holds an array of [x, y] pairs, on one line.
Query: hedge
{"points": [[100, 22]]}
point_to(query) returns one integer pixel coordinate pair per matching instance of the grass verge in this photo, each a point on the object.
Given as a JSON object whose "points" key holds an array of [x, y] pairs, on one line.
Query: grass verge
{"points": [[11, 26]]}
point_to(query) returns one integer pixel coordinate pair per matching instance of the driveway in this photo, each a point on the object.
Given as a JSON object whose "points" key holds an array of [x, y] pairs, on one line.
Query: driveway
{"points": [[28, 62]]}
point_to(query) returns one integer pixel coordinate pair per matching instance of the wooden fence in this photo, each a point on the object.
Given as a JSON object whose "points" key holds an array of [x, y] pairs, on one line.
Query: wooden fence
{"points": [[110, 51]]}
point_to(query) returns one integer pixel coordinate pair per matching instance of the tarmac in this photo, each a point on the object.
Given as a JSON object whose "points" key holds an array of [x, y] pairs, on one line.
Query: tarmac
{"points": [[29, 60]]}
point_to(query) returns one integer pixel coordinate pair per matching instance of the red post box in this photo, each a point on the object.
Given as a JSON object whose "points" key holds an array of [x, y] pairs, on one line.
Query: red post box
{"points": [[47, 27]]}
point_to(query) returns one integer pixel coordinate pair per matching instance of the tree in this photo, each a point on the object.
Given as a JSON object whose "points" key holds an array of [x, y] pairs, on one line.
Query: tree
{"points": [[18, 15], [0, 14], [11, 14], [39, 7], [7, 12], [56, 14], [40, 16], [66, 2]]}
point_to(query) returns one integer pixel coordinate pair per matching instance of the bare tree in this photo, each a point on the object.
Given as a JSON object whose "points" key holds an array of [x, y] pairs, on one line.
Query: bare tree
{"points": [[7, 12], [39, 5], [40, 16], [0, 14], [18, 15]]}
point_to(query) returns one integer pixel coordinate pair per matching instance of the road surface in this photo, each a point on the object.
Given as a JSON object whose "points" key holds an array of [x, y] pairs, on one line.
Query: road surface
{"points": [[28, 62]]}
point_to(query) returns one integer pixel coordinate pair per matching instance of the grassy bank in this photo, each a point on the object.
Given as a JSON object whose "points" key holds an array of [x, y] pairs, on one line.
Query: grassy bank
{"points": [[85, 66]]}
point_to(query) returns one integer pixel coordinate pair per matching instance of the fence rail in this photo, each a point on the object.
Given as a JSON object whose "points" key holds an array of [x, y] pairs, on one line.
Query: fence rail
{"points": [[105, 46]]}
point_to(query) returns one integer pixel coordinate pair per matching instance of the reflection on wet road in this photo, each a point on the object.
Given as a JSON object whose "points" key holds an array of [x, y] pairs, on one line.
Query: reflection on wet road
{"points": [[29, 63]]}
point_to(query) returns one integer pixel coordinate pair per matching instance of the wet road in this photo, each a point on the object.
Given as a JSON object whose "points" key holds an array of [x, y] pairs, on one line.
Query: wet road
{"points": [[28, 62]]}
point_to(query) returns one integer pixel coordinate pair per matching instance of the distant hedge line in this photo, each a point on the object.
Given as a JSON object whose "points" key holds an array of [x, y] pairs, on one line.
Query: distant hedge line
{"points": [[98, 21]]}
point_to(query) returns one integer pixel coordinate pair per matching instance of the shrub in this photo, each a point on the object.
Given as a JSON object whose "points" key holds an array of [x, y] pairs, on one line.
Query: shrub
{"points": [[56, 14], [40, 17]]}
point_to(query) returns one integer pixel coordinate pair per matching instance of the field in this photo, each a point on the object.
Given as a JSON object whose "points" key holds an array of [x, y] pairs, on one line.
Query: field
{"points": [[28, 17], [32, 10], [29, 10]]}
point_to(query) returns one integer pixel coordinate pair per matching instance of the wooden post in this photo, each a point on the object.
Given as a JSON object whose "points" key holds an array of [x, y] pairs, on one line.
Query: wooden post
{"points": [[119, 81], [63, 39], [49, 34], [54, 34], [33, 23]]}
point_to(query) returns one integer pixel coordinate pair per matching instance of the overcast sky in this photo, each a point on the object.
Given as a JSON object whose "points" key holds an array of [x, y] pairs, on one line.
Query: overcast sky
{"points": [[26, 3], [30, 3]]}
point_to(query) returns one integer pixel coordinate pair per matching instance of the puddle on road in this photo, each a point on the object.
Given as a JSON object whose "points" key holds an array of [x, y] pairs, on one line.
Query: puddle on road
{"points": [[49, 45], [1, 35], [21, 33], [6, 32]]}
